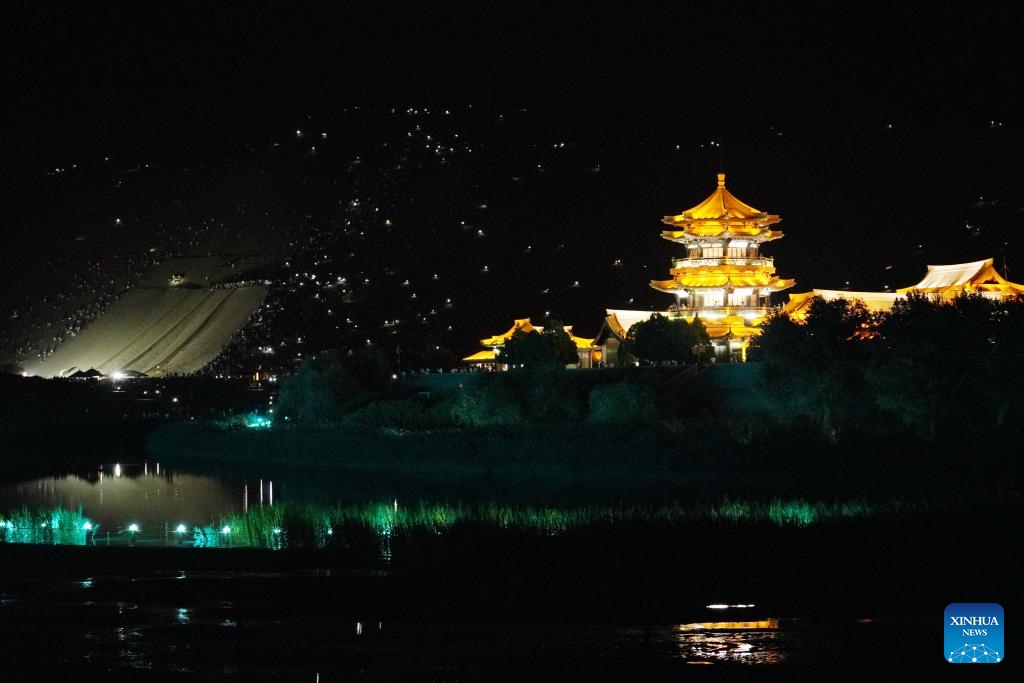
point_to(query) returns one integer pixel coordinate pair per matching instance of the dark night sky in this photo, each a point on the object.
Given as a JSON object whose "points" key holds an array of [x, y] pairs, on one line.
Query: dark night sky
{"points": [[869, 132], [705, 63]]}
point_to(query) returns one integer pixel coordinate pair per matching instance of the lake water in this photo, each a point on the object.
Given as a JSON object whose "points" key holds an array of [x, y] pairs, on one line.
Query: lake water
{"points": [[526, 599], [115, 496], [214, 626]]}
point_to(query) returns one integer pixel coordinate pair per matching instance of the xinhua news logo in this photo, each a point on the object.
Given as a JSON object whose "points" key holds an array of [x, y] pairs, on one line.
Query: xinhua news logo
{"points": [[974, 633]]}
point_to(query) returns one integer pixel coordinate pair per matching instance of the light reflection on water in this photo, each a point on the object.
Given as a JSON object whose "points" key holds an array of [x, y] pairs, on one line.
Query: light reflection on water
{"points": [[155, 498], [158, 636], [207, 628], [756, 642], [781, 641]]}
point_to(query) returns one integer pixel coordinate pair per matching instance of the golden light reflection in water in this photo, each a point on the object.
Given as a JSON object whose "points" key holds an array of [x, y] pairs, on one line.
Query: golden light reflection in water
{"points": [[149, 500], [730, 625], [745, 642]]}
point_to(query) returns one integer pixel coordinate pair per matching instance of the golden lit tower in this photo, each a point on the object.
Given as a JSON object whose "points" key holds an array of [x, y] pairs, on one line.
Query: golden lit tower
{"points": [[723, 278]]}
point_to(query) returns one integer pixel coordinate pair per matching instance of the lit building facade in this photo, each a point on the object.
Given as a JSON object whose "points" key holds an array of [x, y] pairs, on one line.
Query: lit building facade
{"points": [[491, 356], [725, 280], [722, 278], [942, 282]]}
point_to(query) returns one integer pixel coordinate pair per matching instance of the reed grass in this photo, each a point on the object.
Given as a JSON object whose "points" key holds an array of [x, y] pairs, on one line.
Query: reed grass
{"points": [[374, 524], [50, 526]]}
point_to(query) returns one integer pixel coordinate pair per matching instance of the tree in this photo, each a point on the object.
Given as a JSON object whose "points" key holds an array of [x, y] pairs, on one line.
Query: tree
{"points": [[1004, 365], [811, 368], [369, 369], [324, 387], [429, 357], [551, 348], [563, 348], [935, 357], [548, 396], [659, 339], [486, 400], [622, 403], [312, 393]]}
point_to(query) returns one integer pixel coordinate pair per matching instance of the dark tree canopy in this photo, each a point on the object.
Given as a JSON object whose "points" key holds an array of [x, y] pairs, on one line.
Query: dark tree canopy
{"points": [[425, 356], [812, 366], [323, 388], [660, 339], [927, 368], [551, 348], [945, 363]]}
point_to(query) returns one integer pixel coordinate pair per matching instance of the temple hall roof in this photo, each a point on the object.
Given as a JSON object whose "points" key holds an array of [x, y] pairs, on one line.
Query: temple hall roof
{"points": [[979, 276], [949, 280], [519, 324]]}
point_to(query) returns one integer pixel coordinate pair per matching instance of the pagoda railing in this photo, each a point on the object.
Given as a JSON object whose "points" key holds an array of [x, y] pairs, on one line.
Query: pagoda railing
{"points": [[762, 261], [712, 312]]}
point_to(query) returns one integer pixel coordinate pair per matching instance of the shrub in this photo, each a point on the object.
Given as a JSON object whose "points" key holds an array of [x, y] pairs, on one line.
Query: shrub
{"points": [[485, 400], [622, 403]]}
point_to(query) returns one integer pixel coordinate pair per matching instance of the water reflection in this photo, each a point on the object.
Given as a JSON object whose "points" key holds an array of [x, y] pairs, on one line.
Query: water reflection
{"points": [[760, 624], [732, 642], [152, 501]]}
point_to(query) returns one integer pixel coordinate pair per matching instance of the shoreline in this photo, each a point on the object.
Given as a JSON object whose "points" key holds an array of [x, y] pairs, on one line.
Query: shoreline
{"points": [[572, 463]]}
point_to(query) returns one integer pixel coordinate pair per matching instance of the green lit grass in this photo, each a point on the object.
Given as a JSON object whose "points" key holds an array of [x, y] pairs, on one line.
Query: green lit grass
{"points": [[51, 526], [800, 512], [308, 526]]}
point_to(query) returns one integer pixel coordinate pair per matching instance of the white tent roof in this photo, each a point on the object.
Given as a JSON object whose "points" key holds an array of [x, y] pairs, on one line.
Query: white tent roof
{"points": [[953, 275], [627, 318]]}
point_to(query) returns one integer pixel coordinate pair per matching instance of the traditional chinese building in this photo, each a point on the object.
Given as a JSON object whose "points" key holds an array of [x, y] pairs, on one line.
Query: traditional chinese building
{"points": [[942, 282], [723, 278], [589, 355]]}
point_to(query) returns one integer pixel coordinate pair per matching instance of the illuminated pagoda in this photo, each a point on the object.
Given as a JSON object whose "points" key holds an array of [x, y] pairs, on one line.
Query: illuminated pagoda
{"points": [[588, 354], [723, 279]]}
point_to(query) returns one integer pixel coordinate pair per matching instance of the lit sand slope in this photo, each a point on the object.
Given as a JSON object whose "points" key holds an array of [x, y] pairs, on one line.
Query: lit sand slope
{"points": [[158, 329]]}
